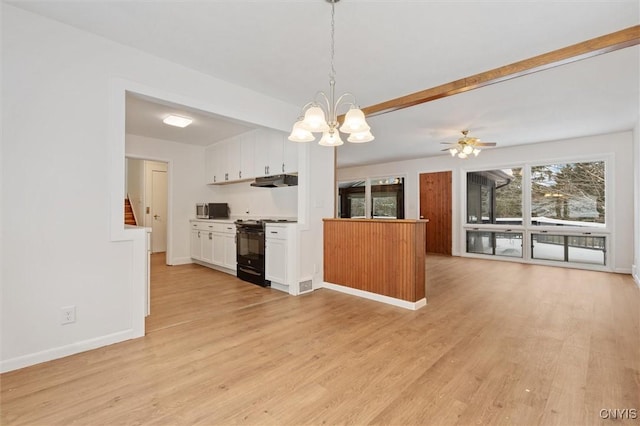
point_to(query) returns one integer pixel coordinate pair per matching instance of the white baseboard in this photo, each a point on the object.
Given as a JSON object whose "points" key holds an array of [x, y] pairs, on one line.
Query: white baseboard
{"points": [[377, 297], [63, 351], [180, 261]]}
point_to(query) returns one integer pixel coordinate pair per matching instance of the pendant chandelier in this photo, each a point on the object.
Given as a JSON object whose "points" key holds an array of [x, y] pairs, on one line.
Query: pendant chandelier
{"points": [[321, 115]]}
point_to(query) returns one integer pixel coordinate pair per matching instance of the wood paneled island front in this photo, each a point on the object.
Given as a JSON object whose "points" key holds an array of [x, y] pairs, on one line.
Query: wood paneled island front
{"points": [[380, 259]]}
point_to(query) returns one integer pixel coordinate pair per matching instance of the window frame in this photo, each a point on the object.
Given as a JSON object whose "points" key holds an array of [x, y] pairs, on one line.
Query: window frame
{"points": [[527, 228], [368, 193]]}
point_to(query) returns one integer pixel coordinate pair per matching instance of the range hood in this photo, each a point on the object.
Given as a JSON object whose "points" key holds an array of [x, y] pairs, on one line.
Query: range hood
{"points": [[275, 181]]}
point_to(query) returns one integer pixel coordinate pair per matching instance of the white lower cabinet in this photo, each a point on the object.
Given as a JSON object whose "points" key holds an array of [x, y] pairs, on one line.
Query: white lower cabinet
{"points": [[214, 243], [230, 261], [196, 244], [207, 246], [281, 257], [276, 261]]}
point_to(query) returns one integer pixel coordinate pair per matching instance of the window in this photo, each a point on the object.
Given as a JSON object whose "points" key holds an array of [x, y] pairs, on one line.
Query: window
{"points": [[352, 199], [386, 197], [569, 248], [495, 196], [570, 194], [495, 243], [550, 212]]}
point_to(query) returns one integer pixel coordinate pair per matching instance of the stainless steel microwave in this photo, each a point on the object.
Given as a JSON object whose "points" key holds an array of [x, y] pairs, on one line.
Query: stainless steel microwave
{"points": [[212, 211]]}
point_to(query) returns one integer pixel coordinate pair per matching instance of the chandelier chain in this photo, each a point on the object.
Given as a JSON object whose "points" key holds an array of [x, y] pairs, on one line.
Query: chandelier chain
{"points": [[333, 30]]}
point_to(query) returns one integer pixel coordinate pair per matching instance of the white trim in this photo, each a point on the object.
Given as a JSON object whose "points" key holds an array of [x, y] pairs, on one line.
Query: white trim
{"points": [[634, 274], [63, 351], [180, 261], [376, 297]]}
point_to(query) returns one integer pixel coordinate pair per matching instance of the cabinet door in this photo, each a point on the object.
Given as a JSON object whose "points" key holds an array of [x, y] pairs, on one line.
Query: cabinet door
{"points": [[232, 166], [196, 244], [268, 153], [230, 251], [247, 155], [216, 163], [261, 153], [290, 156], [218, 249], [207, 246], [210, 164], [220, 162], [276, 261], [275, 165]]}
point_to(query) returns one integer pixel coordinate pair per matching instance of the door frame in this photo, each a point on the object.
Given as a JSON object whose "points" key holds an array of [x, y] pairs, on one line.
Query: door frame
{"points": [[169, 252]]}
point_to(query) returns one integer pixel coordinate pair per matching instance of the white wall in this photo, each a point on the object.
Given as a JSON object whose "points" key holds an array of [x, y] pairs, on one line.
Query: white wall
{"points": [[63, 145], [619, 145], [315, 203], [248, 201]]}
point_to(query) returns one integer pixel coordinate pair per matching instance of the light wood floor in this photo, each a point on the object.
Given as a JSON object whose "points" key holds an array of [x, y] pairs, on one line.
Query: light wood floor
{"points": [[498, 343]]}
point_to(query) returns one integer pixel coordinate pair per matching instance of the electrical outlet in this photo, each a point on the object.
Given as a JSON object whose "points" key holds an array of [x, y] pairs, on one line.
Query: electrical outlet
{"points": [[67, 314]]}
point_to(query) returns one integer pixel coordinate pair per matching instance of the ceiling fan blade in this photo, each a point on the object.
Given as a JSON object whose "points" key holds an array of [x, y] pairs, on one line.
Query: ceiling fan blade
{"points": [[446, 149], [485, 144], [448, 143]]}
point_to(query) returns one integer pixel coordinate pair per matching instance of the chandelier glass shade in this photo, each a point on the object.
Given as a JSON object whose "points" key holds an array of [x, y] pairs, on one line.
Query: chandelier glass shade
{"points": [[462, 150], [321, 115]]}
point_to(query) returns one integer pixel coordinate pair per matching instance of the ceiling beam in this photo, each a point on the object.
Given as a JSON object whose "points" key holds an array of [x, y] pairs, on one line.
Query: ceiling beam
{"points": [[586, 49]]}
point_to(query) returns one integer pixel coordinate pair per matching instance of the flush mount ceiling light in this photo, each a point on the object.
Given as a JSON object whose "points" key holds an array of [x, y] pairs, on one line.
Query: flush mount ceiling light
{"points": [[321, 115], [176, 120]]}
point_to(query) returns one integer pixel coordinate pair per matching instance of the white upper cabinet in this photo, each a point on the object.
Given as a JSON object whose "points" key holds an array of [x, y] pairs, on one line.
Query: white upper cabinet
{"points": [[234, 160], [268, 153], [262, 152], [215, 159], [290, 156], [247, 154], [274, 153]]}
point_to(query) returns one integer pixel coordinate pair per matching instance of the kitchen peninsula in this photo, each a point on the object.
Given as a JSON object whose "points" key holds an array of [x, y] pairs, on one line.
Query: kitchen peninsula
{"points": [[379, 259]]}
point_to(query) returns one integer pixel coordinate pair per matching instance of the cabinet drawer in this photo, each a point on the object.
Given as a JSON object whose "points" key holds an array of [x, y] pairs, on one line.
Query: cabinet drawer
{"points": [[276, 233], [224, 228], [199, 226]]}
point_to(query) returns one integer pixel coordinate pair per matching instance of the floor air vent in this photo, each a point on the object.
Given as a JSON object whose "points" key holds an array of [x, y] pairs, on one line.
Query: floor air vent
{"points": [[305, 286]]}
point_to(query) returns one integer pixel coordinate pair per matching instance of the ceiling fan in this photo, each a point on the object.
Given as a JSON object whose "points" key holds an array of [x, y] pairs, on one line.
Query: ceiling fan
{"points": [[466, 146]]}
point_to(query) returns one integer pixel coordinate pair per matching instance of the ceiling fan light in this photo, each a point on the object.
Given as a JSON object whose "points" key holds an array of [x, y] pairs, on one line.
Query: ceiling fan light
{"points": [[462, 155], [453, 151], [468, 149], [300, 134], [331, 139], [476, 151], [314, 120], [360, 137], [354, 122]]}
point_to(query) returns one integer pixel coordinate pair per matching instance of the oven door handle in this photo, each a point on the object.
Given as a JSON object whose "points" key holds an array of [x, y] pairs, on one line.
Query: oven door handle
{"points": [[250, 272], [251, 232]]}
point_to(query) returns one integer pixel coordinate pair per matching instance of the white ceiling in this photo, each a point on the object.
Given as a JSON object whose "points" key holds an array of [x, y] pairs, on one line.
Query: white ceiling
{"points": [[144, 117], [386, 49]]}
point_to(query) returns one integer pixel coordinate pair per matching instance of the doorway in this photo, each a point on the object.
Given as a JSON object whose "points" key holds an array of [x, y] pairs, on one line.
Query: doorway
{"points": [[435, 205], [146, 187]]}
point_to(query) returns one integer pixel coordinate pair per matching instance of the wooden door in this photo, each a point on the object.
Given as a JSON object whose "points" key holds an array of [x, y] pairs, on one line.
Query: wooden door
{"points": [[435, 205]]}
